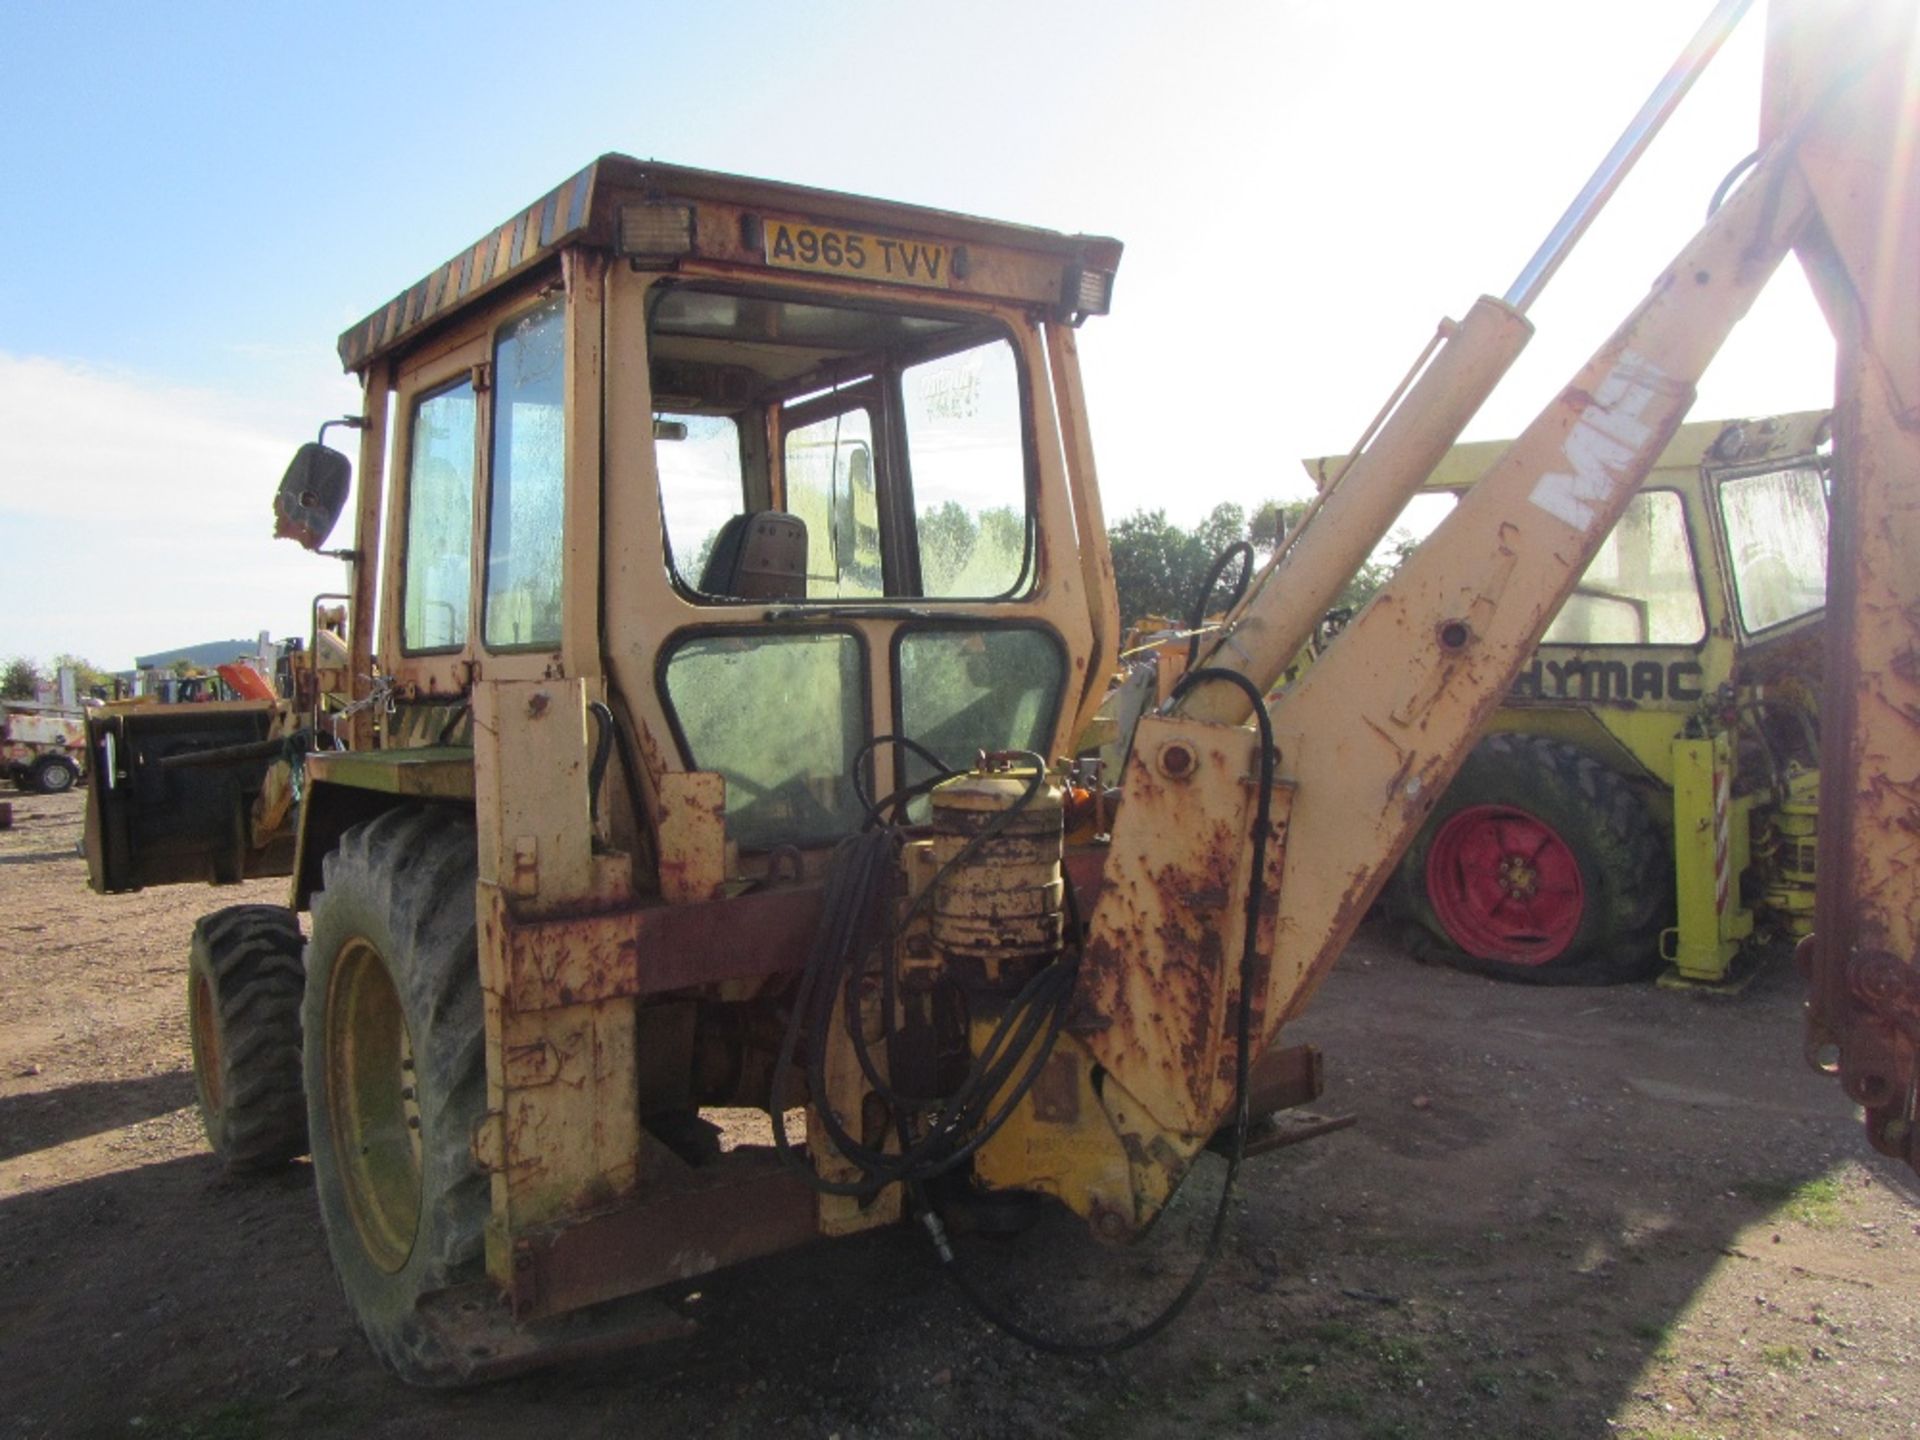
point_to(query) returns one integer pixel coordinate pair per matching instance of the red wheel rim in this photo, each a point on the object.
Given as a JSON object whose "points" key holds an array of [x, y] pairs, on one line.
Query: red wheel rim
{"points": [[1505, 885]]}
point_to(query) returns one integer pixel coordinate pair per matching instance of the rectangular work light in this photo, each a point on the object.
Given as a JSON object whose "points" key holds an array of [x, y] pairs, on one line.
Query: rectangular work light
{"points": [[655, 230]]}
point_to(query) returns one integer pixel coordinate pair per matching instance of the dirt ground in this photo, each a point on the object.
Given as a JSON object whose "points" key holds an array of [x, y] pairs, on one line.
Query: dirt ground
{"points": [[1569, 1213]]}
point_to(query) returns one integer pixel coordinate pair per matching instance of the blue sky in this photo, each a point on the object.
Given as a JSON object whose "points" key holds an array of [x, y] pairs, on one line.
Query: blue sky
{"points": [[199, 198]]}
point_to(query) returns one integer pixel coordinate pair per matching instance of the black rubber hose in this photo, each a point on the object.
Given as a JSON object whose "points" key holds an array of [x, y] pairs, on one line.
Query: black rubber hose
{"points": [[1239, 550], [1243, 1034], [602, 752]]}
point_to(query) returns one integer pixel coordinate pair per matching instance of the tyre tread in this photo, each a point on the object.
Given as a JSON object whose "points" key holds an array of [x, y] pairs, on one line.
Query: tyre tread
{"points": [[251, 954], [1634, 857]]}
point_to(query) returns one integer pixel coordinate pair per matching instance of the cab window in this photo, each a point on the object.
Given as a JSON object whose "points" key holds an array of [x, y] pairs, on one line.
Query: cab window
{"points": [[528, 480], [781, 717], [701, 485], [1776, 527], [964, 447], [1641, 588], [964, 689], [831, 488], [889, 444], [439, 565]]}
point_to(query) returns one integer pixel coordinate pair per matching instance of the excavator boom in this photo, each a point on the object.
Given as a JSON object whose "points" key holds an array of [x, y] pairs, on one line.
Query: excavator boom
{"points": [[1368, 739]]}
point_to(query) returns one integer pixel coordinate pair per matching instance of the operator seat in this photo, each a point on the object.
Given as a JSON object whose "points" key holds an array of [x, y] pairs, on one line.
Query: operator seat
{"points": [[761, 555]]}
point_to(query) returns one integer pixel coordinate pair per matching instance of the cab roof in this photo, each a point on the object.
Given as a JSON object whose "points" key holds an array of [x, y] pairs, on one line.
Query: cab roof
{"points": [[1727, 443], [584, 210]]}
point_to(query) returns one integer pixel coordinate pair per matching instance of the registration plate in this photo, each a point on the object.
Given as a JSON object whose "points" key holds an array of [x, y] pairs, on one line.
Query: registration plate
{"points": [[790, 245]]}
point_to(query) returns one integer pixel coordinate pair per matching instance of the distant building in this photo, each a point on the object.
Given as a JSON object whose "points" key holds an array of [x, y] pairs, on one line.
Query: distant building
{"points": [[199, 657]]}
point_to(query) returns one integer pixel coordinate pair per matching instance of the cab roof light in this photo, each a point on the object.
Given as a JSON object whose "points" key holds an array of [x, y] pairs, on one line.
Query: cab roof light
{"points": [[655, 230], [1086, 291]]}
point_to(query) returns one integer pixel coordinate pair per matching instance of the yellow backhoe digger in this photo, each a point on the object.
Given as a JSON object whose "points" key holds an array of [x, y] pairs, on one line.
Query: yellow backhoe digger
{"points": [[742, 573]]}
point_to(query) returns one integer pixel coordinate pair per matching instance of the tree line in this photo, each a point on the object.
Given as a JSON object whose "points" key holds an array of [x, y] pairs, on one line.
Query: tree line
{"points": [[22, 676], [1159, 567]]}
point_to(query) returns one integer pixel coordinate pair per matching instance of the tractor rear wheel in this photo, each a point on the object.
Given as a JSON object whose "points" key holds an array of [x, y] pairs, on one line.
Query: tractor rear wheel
{"points": [[244, 978], [1539, 864], [396, 1080]]}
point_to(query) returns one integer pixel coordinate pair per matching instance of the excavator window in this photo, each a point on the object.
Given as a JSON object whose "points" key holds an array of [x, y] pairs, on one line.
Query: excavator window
{"points": [[440, 467], [1642, 588], [961, 690], [831, 488], [782, 716], [964, 450], [701, 482], [527, 474], [1777, 537], [895, 436]]}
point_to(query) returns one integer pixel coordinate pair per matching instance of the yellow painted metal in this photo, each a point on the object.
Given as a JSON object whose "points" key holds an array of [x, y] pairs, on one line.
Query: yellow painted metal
{"points": [[1709, 854], [584, 278], [1267, 629], [432, 772], [562, 1130], [1863, 260], [1366, 739], [534, 836], [369, 493], [1090, 526], [1375, 730], [370, 1099], [851, 1097], [996, 917], [692, 830]]}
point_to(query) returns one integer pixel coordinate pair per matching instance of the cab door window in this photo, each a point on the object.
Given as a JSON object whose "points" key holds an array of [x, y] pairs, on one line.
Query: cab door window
{"points": [[439, 564], [782, 717], [528, 480]]}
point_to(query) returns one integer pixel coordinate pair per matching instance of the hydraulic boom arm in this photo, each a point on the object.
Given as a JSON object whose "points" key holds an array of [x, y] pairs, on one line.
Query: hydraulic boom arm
{"points": [[1370, 737]]}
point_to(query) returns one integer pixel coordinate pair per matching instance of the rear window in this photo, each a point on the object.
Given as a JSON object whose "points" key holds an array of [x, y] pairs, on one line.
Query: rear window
{"points": [[1641, 588]]}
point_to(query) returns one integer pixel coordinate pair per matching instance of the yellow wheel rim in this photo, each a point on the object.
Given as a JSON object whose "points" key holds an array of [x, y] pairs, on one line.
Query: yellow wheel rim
{"points": [[373, 1105]]}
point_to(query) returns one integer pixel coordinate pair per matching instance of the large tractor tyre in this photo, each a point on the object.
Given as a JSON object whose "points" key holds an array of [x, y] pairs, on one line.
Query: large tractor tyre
{"points": [[244, 979], [1540, 865], [53, 775], [396, 1076]]}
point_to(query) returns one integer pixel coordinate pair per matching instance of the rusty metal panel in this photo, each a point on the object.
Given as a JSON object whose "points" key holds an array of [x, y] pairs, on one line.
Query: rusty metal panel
{"points": [[743, 1207], [648, 949], [1864, 262], [570, 1112], [530, 791], [1162, 959], [693, 835], [1013, 261]]}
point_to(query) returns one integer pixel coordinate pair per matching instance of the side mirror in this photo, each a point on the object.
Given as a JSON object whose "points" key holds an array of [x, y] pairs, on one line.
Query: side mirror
{"points": [[312, 494]]}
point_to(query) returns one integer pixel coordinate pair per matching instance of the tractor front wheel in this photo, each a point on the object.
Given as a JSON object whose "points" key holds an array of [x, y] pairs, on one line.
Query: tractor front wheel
{"points": [[244, 979], [396, 1080], [1539, 864]]}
